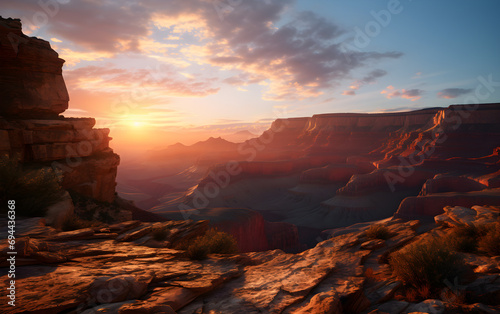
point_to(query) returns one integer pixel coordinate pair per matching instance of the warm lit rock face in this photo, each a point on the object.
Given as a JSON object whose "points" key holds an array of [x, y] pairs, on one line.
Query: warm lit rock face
{"points": [[31, 82], [33, 95], [122, 268]]}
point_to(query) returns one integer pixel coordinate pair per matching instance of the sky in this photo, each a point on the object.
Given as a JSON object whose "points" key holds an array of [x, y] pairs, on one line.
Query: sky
{"points": [[175, 71]]}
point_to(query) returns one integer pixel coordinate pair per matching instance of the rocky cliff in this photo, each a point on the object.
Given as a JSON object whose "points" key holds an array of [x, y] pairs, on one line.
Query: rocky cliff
{"points": [[33, 96], [32, 84]]}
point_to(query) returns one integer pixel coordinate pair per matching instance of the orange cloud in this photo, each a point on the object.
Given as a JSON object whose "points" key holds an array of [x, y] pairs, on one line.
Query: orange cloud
{"points": [[160, 82]]}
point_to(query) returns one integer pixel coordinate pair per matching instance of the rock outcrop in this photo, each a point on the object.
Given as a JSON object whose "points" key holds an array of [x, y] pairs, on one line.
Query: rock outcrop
{"points": [[31, 84], [121, 268], [33, 96]]}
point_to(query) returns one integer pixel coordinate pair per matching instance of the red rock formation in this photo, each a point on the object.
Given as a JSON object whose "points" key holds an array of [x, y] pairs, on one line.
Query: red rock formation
{"points": [[330, 173], [443, 184], [251, 231], [33, 95], [247, 226], [283, 236], [31, 84], [432, 205]]}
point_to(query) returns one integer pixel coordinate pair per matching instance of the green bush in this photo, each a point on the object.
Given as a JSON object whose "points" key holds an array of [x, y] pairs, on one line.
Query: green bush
{"points": [[378, 231], [426, 264], [490, 242], [213, 241], [33, 190]]}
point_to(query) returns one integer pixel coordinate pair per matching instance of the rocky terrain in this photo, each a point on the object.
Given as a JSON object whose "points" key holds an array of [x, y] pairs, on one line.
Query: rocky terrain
{"points": [[120, 268]]}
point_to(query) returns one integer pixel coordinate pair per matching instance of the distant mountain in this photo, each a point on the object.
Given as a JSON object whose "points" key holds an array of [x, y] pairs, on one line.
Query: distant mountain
{"points": [[177, 145], [240, 136], [214, 144]]}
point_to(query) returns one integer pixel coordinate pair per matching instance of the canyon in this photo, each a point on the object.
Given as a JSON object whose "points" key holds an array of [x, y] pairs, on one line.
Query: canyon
{"points": [[333, 170]]}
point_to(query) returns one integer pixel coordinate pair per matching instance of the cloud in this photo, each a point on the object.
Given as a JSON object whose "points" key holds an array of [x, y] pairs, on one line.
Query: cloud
{"points": [[105, 26], [412, 94], [164, 81], [450, 93], [300, 58], [373, 76], [349, 92], [370, 78], [399, 109], [112, 93], [73, 57], [421, 75]]}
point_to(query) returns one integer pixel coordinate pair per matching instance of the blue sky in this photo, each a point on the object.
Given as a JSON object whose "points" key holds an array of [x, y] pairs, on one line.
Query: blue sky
{"points": [[224, 66]]}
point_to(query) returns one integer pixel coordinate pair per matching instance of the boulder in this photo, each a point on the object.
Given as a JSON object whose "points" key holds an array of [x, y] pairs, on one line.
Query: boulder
{"points": [[322, 303], [373, 244], [392, 307], [119, 288], [430, 306]]}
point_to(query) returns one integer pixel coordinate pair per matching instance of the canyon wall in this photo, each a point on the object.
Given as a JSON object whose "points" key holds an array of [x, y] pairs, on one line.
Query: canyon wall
{"points": [[33, 96], [373, 164]]}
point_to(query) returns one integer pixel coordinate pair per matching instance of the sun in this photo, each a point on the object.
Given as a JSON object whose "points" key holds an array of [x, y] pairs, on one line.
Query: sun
{"points": [[137, 124]]}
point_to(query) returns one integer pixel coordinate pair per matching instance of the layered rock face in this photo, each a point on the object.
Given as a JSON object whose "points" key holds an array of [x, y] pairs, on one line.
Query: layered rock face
{"points": [[31, 84], [33, 95]]}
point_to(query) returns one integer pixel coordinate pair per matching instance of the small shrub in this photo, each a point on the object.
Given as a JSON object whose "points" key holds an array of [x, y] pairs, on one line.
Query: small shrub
{"points": [[213, 241], [160, 234], [424, 292], [105, 217], [378, 231], [72, 222], [463, 238], [490, 242], [197, 251], [411, 295], [453, 296], [33, 190], [221, 242], [426, 264]]}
